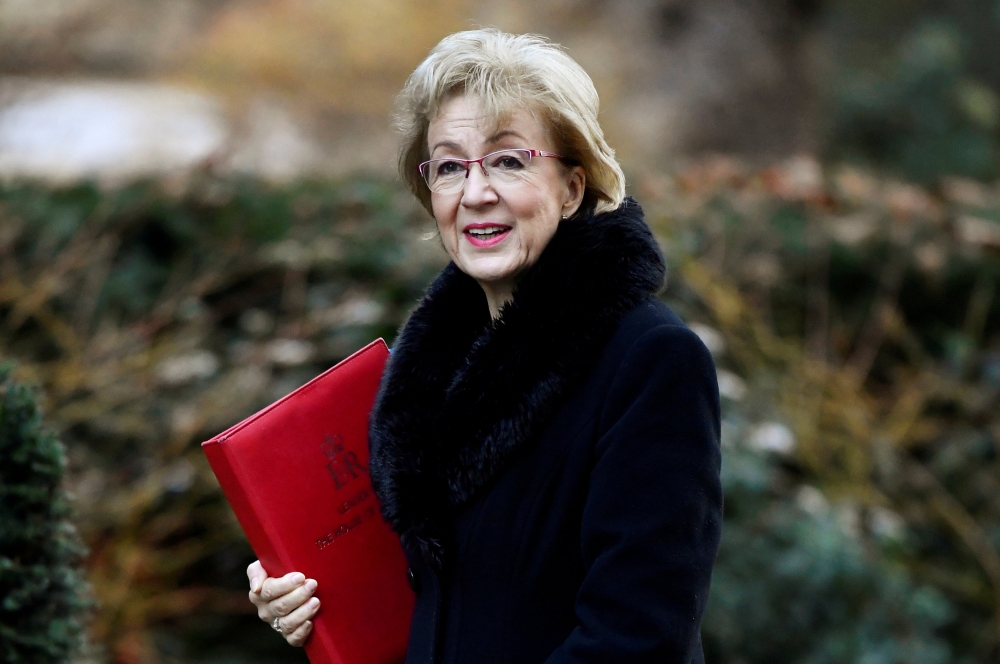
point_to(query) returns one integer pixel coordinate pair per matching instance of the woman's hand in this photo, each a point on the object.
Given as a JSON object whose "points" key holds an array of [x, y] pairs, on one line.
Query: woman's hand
{"points": [[289, 599]]}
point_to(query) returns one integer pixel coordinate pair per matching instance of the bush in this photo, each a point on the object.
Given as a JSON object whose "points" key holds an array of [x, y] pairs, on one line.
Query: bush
{"points": [[155, 318], [795, 582], [856, 326], [44, 603]]}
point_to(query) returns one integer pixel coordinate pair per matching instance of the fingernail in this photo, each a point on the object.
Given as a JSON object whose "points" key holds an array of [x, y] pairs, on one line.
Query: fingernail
{"points": [[311, 584], [255, 584], [298, 578], [309, 625], [313, 603]]}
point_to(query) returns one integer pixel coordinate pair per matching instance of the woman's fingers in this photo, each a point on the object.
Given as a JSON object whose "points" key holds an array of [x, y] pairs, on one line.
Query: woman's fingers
{"points": [[298, 637], [256, 575], [280, 596], [293, 622], [288, 598], [272, 588], [291, 601]]}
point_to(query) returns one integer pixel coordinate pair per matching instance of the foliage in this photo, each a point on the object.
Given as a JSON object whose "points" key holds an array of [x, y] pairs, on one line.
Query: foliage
{"points": [[857, 332], [795, 582], [155, 318], [918, 89], [44, 597], [853, 319]]}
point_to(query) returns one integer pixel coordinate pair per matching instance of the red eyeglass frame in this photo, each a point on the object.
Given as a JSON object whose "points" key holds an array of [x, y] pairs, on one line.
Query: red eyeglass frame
{"points": [[468, 162]]}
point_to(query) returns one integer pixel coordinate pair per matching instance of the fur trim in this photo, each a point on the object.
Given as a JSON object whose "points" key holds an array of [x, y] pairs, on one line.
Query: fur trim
{"points": [[461, 395]]}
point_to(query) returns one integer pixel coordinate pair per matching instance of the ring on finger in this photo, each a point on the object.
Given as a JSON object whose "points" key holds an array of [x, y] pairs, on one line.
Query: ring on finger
{"points": [[276, 626]]}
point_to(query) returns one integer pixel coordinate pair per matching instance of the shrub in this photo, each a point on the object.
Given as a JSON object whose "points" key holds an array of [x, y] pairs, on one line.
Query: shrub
{"points": [[44, 597]]}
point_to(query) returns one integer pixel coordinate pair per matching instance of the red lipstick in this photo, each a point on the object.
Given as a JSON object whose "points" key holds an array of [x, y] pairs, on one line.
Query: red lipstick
{"points": [[486, 234]]}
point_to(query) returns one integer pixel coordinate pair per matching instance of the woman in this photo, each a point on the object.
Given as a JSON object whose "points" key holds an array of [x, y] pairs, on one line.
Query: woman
{"points": [[545, 439]]}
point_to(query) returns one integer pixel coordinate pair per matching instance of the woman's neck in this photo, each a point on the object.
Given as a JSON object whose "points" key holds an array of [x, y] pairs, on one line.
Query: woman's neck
{"points": [[498, 293]]}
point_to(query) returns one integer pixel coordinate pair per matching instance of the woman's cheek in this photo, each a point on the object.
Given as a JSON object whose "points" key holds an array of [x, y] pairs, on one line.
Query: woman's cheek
{"points": [[448, 238]]}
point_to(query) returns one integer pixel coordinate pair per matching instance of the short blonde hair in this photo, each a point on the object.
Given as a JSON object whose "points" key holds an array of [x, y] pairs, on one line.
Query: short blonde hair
{"points": [[505, 72]]}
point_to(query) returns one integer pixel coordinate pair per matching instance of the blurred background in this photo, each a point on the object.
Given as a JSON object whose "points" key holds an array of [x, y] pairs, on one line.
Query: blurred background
{"points": [[199, 212]]}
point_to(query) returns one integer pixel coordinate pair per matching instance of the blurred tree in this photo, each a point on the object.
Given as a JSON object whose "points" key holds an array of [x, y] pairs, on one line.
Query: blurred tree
{"points": [[917, 86], [43, 593]]}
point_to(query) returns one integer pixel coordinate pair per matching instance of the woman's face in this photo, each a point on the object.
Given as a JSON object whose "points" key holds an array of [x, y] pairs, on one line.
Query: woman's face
{"points": [[493, 230]]}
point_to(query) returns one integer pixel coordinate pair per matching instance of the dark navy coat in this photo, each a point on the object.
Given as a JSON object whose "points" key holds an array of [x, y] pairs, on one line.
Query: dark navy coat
{"points": [[554, 476]]}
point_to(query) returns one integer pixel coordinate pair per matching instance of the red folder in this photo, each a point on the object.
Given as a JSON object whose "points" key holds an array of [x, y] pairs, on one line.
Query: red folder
{"points": [[296, 475]]}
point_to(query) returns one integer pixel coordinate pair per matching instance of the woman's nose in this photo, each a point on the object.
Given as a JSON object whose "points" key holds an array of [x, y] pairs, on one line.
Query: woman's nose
{"points": [[478, 190]]}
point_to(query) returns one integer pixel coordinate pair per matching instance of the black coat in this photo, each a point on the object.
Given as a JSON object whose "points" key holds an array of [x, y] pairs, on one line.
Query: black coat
{"points": [[554, 477]]}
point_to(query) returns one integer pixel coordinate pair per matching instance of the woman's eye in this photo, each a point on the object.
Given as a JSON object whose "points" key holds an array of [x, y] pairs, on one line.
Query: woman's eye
{"points": [[508, 163], [449, 168]]}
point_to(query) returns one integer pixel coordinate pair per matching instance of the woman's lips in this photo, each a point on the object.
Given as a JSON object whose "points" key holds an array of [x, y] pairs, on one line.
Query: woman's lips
{"points": [[486, 235]]}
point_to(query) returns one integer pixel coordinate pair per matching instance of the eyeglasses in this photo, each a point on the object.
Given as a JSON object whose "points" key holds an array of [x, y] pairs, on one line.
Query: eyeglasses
{"points": [[448, 175]]}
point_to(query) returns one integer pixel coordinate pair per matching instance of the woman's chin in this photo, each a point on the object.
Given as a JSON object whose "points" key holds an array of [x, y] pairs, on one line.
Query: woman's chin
{"points": [[489, 271]]}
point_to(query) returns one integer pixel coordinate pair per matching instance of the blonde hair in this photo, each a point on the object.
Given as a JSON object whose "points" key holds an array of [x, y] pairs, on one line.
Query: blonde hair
{"points": [[504, 72]]}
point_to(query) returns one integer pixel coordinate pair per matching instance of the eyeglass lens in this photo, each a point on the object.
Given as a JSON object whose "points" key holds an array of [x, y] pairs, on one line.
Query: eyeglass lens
{"points": [[505, 166]]}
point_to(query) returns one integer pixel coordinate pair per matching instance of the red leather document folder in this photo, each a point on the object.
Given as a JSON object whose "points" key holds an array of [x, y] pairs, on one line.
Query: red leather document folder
{"points": [[296, 475]]}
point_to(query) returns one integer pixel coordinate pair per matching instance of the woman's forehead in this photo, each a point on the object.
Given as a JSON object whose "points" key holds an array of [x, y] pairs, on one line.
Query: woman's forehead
{"points": [[463, 119]]}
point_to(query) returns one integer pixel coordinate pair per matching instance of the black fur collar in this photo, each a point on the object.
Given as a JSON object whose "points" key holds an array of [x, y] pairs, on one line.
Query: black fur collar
{"points": [[460, 396]]}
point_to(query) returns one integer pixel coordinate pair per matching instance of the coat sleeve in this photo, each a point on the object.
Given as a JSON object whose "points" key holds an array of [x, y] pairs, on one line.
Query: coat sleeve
{"points": [[653, 514]]}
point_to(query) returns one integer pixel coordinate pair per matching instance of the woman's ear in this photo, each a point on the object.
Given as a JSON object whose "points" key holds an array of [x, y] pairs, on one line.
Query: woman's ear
{"points": [[576, 185]]}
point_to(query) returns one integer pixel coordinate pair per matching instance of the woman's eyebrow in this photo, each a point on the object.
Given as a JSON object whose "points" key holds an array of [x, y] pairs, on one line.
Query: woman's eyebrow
{"points": [[495, 138], [446, 144], [502, 134]]}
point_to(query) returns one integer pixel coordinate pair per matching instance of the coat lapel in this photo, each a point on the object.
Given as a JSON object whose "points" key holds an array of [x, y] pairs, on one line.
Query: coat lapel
{"points": [[461, 395]]}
